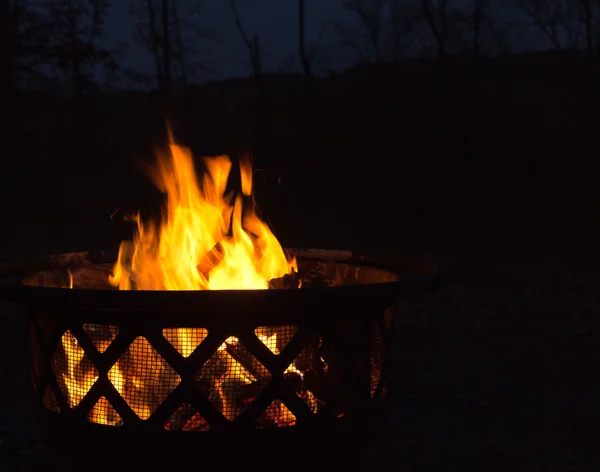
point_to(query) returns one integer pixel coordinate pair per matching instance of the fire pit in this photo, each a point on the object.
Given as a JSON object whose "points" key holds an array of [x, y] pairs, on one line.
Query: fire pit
{"points": [[204, 327], [208, 362]]}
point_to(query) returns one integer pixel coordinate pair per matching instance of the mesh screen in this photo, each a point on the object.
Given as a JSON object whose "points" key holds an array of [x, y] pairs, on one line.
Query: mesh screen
{"points": [[49, 400], [276, 338], [73, 370], [185, 340], [104, 413], [331, 367], [37, 359], [388, 315], [349, 331], [143, 378], [384, 392], [377, 357], [276, 415], [101, 335], [186, 418], [232, 378]]}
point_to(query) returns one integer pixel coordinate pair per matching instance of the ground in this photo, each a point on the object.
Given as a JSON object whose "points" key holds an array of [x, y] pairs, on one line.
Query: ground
{"points": [[495, 371]]}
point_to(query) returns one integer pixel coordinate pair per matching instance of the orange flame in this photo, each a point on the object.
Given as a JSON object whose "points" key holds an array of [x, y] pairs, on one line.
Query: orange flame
{"points": [[207, 240]]}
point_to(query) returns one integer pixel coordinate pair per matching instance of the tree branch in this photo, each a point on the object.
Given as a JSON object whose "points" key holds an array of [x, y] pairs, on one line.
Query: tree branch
{"points": [[240, 26]]}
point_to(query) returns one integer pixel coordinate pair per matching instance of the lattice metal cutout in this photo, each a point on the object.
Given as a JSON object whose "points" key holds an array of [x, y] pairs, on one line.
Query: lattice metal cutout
{"points": [[73, 369], [319, 371], [185, 340], [143, 378], [104, 413], [186, 418], [101, 335], [49, 400]]}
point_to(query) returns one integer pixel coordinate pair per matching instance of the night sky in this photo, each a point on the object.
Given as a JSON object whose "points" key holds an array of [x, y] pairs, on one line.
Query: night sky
{"points": [[223, 53]]}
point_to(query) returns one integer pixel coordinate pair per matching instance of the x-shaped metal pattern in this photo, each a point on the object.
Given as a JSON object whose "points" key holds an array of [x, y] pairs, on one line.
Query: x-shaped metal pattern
{"points": [[186, 391]]}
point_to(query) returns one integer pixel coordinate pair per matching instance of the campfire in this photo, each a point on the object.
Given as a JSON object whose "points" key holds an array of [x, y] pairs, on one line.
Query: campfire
{"points": [[207, 239], [203, 322]]}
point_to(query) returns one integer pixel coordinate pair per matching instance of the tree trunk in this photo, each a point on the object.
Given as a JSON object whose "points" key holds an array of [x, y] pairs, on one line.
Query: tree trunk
{"points": [[166, 50], [187, 111], [155, 46], [440, 34], [261, 91], [589, 39]]}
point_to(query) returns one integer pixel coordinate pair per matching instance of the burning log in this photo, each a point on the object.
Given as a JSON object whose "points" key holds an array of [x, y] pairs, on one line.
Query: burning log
{"points": [[315, 280], [309, 279], [270, 417], [55, 278], [235, 394], [211, 260], [246, 360], [311, 401], [291, 280], [213, 373], [232, 378], [186, 418]]}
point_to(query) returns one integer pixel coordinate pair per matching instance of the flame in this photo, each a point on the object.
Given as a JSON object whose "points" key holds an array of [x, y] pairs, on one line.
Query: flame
{"points": [[77, 383], [207, 240]]}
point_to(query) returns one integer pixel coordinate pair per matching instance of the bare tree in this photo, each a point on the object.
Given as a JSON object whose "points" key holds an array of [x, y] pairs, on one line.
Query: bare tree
{"points": [[558, 20], [477, 20], [180, 49], [253, 47], [172, 32], [405, 28], [72, 47], [307, 52], [437, 15], [369, 12], [590, 20], [153, 32], [166, 44], [570, 25], [172, 36]]}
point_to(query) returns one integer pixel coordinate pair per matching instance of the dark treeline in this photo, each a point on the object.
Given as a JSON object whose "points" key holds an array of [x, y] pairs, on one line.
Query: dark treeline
{"points": [[466, 146]]}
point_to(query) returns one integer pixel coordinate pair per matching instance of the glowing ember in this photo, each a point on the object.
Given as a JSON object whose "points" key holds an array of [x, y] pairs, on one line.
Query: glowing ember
{"points": [[207, 240]]}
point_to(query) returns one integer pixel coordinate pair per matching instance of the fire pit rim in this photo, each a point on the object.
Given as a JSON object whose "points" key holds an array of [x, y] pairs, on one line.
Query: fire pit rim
{"points": [[413, 276]]}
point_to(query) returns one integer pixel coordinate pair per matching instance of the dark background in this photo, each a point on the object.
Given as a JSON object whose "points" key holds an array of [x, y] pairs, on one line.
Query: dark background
{"points": [[445, 136], [459, 147]]}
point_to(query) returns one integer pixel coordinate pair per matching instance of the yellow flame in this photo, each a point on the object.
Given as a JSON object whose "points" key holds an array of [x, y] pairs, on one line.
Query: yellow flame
{"points": [[207, 240], [78, 383]]}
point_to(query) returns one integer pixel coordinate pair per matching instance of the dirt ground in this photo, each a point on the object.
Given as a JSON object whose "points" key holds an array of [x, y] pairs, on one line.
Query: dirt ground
{"points": [[498, 370]]}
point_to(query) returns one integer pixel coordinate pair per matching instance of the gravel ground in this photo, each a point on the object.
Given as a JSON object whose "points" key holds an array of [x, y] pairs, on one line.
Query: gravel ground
{"points": [[496, 371]]}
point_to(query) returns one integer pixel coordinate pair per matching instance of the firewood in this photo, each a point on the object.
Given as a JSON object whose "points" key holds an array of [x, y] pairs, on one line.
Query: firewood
{"points": [[302, 279], [211, 260], [315, 279], [270, 417], [213, 373], [196, 423], [245, 358], [291, 280], [186, 418], [54, 278]]}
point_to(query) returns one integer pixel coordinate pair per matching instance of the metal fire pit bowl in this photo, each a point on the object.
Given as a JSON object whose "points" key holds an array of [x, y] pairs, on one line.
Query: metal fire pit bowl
{"points": [[146, 371]]}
